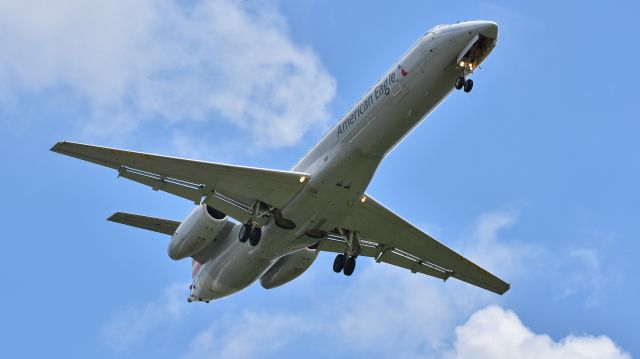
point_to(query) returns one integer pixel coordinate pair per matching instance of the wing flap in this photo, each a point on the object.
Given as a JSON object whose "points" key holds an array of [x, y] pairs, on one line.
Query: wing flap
{"points": [[193, 179], [157, 183], [160, 225]]}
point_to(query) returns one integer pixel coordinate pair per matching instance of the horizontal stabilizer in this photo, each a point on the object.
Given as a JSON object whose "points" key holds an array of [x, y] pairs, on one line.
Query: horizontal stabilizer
{"points": [[160, 225]]}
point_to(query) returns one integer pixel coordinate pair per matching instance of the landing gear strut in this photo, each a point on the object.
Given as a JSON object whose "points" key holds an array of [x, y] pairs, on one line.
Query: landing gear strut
{"points": [[467, 65], [252, 231], [346, 263]]}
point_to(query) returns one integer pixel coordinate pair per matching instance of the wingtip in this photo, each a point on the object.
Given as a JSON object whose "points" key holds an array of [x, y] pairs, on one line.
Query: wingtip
{"points": [[57, 146], [114, 217], [508, 286]]}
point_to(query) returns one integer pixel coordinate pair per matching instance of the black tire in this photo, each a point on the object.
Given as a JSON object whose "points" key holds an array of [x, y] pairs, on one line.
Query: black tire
{"points": [[255, 236], [338, 263], [468, 85], [350, 266], [459, 83], [245, 233]]}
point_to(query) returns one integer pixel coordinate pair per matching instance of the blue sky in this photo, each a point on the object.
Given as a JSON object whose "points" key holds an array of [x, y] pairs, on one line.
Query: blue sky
{"points": [[534, 175]]}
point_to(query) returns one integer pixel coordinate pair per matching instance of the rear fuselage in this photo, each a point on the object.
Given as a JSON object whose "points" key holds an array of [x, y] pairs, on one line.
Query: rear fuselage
{"points": [[344, 161]]}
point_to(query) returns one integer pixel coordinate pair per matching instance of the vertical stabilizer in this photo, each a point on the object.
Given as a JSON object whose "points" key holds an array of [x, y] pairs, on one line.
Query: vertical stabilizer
{"points": [[195, 268]]}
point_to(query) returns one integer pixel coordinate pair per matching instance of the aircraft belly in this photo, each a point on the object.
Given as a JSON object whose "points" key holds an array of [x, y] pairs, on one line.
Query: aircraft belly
{"points": [[426, 86], [342, 165], [232, 269], [341, 177]]}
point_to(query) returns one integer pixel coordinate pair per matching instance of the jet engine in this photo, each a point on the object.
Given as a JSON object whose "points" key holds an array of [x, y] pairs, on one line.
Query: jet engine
{"points": [[201, 227], [288, 268]]}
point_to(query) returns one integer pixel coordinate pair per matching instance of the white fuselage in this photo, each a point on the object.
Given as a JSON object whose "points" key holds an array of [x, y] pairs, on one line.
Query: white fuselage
{"points": [[344, 161]]}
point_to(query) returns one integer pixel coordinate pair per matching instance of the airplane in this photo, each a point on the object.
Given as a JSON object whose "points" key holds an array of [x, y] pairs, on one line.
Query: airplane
{"points": [[270, 225]]}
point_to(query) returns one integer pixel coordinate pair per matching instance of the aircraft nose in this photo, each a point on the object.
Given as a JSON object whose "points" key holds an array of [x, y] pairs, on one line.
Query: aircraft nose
{"points": [[487, 28]]}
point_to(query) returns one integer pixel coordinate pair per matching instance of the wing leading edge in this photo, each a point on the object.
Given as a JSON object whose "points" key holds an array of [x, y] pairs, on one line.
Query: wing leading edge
{"points": [[231, 189], [391, 239]]}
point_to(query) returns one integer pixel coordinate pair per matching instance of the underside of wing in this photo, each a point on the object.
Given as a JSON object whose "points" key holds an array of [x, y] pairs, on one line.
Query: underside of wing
{"points": [[392, 256], [231, 189], [389, 238], [160, 225]]}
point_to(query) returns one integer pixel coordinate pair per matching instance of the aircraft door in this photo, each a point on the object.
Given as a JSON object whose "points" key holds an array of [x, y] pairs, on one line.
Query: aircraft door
{"points": [[396, 87], [398, 90]]}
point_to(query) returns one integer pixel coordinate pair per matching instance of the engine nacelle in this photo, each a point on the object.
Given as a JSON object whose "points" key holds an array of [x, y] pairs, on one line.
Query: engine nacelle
{"points": [[201, 226], [288, 268]]}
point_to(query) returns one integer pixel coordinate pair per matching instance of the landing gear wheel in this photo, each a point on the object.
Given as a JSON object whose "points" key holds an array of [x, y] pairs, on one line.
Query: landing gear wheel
{"points": [[254, 239], [460, 83], [245, 233], [468, 85], [338, 263], [350, 266]]}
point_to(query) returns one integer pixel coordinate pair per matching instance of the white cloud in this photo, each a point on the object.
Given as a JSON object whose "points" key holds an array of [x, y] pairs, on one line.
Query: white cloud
{"points": [[583, 273], [495, 333], [253, 335], [131, 326], [488, 224], [145, 65], [384, 311], [400, 322], [506, 258], [588, 277]]}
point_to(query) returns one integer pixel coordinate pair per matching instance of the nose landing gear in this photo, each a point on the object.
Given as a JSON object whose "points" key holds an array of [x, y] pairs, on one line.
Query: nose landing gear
{"points": [[462, 83]]}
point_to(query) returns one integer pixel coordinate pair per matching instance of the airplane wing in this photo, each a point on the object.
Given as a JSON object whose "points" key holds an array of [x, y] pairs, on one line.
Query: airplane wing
{"points": [[389, 238], [231, 189], [160, 225]]}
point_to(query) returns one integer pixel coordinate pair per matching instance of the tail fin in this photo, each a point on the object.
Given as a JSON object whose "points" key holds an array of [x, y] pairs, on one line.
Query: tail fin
{"points": [[195, 268]]}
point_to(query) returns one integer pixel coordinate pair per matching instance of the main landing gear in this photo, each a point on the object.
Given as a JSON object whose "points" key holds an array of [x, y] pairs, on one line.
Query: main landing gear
{"points": [[346, 263], [252, 230], [251, 233], [462, 83]]}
